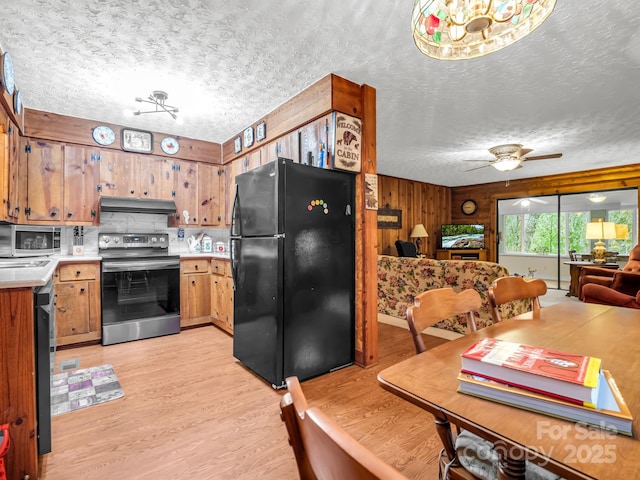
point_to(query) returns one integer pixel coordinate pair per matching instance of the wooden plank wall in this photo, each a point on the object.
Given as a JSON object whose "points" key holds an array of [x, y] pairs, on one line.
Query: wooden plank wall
{"points": [[420, 203], [437, 205]]}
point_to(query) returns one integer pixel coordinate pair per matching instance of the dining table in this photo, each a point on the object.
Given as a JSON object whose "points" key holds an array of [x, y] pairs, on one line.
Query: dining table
{"points": [[571, 450]]}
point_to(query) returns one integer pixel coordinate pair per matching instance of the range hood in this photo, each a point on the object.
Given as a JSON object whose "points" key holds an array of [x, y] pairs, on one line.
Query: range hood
{"points": [[136, 205]]}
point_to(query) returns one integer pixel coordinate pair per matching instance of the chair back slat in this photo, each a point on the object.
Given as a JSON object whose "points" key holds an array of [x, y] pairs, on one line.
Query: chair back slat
{"points": [[323, 450], [439, 304], [509, 289]]}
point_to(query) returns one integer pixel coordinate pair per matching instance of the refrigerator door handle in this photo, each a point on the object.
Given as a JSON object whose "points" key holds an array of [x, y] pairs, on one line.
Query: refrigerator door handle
{"points": [[233, 245], [232, 221]]}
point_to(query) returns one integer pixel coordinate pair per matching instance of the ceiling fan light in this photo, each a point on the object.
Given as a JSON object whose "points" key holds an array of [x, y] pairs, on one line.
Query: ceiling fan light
{"points": [[597, 198], [507, 164]]}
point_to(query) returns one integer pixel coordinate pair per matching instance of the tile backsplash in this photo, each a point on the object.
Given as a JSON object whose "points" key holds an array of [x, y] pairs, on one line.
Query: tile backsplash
{"points": [[138, 223]]}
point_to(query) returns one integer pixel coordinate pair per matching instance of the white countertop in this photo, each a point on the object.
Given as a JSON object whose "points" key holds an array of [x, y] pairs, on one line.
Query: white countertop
{"points": [[220, 256], [21, 277]]}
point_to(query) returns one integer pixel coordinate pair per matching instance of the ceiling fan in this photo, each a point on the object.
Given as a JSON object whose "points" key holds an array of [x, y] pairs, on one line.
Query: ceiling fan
{"points": [[510, 156], [525, 202]]}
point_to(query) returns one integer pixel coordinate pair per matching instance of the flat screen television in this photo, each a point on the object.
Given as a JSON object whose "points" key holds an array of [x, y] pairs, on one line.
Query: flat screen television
{"points": [[459, 236]]}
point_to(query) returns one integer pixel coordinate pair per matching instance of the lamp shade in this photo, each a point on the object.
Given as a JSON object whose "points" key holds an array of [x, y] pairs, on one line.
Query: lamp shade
{"points": [[419, 231], [600, 230], [622, 231]]}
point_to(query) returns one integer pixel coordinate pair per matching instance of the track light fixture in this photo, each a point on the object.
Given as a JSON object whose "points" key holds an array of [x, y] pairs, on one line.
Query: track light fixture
{"points": [[158, 99]]}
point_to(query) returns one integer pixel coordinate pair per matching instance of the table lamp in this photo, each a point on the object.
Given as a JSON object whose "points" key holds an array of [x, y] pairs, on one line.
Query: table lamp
{"points": [[600, 231], [622, 233], [419, 232]]}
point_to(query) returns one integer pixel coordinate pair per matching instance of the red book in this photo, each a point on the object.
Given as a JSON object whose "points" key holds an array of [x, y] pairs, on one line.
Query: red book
{"points": [[549, 372]]}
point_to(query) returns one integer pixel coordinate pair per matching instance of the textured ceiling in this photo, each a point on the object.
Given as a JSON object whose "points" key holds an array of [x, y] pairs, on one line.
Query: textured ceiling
{"points": [[570, 87]]}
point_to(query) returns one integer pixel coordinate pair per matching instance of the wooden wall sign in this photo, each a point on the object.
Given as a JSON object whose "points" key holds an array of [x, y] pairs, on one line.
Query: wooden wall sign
{"points": [[389, 218], [348, 143]]}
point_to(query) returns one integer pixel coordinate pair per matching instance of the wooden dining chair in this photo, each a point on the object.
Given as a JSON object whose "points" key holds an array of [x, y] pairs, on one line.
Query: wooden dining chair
{"points": [[439, 304], [323, 450], [504, 290]]}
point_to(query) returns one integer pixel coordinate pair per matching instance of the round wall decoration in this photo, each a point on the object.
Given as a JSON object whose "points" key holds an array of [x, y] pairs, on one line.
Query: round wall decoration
{"points": [[8, 78], [469, 207], [103, 135], [169, 145]]}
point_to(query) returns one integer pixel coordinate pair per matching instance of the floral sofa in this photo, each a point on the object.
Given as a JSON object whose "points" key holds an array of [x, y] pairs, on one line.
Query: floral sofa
{"points": [[400, 279]]}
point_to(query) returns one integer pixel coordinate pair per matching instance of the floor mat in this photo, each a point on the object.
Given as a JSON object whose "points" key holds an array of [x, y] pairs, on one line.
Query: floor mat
{"points": [[83, 388]]}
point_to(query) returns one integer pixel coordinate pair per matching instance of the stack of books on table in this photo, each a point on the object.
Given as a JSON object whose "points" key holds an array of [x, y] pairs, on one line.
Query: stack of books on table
{"points": [[560, 384]]}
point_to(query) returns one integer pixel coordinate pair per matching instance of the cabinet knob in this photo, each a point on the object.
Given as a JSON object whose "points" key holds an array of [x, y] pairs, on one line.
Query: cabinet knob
{"points": [[132, 192], [193, 282], [69, 214], [196, 266], [82, 290], [145, 193], [77, 272], [53, 214]]}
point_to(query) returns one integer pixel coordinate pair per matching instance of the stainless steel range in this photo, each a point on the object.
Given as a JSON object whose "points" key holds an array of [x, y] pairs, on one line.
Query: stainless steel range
{"points": [[140, 287]]}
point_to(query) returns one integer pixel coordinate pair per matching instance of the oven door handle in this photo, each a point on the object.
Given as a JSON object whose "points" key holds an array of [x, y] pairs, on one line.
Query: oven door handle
{"points": [[132, 265]]}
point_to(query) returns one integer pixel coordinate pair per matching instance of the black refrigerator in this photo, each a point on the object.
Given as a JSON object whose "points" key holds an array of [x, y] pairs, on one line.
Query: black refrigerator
{"points": [[292, 260]]}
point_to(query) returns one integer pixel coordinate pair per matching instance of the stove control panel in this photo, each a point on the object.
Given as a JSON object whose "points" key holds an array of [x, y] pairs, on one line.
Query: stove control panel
{"points": [[133, 240]]}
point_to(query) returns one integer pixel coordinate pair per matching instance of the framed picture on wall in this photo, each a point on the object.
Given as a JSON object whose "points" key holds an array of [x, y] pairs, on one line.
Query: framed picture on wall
{"points": [[347, 150], [138, 141]]}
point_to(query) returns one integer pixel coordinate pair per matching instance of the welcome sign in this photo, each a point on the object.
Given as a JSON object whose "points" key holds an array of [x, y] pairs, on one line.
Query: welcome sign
{"points": [[348, 142]]}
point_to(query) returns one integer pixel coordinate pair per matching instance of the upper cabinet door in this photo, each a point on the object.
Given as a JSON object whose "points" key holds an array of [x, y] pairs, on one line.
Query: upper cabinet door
{"points": [[119, 174], [186, 196], [80, 181], [209, 191], [156, 177], [44, 181]]}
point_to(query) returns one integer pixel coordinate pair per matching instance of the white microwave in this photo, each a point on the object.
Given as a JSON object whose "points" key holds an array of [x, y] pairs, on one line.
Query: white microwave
{"points": [[29, 240]]}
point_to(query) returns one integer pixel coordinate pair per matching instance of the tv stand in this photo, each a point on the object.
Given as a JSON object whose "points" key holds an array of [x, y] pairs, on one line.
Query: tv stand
{"points": [[461, 254]]}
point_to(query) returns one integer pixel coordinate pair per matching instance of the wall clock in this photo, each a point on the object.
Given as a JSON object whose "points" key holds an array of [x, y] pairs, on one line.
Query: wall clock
{"points": [[103, 135], [169, 145], [469, 207], [8, 78]]}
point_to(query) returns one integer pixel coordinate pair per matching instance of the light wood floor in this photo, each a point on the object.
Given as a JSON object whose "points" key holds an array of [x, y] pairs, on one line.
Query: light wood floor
{"points": [[190, 410]]}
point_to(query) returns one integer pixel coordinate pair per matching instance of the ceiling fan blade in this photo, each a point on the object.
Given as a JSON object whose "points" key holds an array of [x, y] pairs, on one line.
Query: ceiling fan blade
{"points": [[543, 157], [522, 152], [489, 161], [537, 200], [477, 168]]}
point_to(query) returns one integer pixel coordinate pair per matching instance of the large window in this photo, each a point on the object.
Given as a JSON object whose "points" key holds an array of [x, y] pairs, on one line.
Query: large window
{"points": [[556, 225]]}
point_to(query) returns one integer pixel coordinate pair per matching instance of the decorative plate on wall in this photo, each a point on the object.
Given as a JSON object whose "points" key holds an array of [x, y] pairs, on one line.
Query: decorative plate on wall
{"points": [[8, 78], [103, 135], [17, 102], [169, 145], [139, 141]]}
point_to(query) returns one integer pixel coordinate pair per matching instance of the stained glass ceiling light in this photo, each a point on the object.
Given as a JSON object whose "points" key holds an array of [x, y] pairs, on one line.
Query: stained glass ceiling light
{"points": [[461, 29]]}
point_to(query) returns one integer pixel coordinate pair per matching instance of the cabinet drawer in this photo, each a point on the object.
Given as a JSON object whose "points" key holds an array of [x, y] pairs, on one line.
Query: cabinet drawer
{"points": [[221, 267], [196, 265], [77, 271]]}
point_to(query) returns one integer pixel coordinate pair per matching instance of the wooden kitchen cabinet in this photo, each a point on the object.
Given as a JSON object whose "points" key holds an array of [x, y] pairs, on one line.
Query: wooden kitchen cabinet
{"points": [[11, 149], [316, 137], [186, 193], [81, 170], [231, 171], [156, 177], [44, 182], [222, 295], [77, 302], [210, 190], [287, 146], [119, 174], [195, 292]]}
